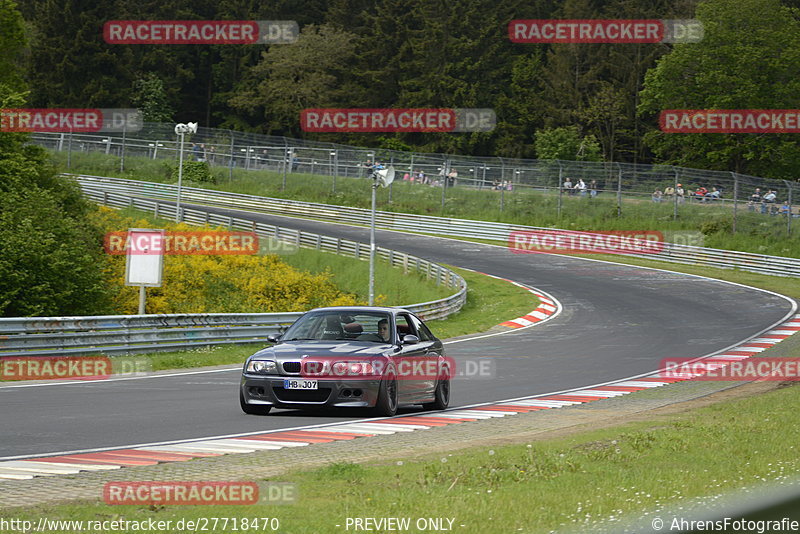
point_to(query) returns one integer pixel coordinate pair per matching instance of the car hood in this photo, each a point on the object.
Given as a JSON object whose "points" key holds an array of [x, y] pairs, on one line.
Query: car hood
{"points": [[295, 350]]}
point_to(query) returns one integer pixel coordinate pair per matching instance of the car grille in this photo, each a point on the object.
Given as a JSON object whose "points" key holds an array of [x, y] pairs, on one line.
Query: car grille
{"points": [[302, 395], [291, 367]]}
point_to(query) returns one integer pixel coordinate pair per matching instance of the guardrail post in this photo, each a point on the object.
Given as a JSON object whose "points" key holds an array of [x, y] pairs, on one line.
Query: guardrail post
{"points": [[619, 191], [155, 210]]}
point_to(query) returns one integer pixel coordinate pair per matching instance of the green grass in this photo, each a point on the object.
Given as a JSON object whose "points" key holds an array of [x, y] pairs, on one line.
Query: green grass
{"points": [[589, 479], [756, 232]]}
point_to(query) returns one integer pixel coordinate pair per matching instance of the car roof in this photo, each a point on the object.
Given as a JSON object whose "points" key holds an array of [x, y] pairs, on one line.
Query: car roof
{"points": [[385, 309]]}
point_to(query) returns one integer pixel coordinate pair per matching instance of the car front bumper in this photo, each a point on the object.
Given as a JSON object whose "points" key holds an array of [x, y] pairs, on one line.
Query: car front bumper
{"points": [[259, 390]]}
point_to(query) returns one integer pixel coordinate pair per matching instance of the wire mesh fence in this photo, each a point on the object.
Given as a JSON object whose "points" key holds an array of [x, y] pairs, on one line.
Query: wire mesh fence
{"points": [[661, 190]]}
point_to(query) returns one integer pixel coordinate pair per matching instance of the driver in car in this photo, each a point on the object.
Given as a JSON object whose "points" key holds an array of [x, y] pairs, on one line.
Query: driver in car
{"points": [[383, 330]]}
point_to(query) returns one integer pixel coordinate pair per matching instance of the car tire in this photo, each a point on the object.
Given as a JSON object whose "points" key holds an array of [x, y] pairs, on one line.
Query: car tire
{"points": [[441, 394], [386, 404], [253, 409]]}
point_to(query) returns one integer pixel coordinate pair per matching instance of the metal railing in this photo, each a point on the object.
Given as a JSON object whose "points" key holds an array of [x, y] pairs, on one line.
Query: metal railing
{"points": [[126, 334], [671, 252], [612, 180]]}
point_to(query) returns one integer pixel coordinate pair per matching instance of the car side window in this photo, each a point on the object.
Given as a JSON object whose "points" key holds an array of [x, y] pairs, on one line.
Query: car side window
{"points": [[404, 326], [422, 331]]}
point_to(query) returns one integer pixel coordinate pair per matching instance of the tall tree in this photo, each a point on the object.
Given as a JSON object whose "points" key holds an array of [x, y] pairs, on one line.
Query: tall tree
{"points": [[747, 60]]}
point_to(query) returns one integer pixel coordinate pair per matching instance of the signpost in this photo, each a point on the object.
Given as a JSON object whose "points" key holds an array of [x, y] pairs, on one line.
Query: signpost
{"points": [[144, 260]]}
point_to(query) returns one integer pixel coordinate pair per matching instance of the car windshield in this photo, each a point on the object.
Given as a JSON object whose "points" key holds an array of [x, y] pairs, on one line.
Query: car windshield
{"points": [[341, 326]]}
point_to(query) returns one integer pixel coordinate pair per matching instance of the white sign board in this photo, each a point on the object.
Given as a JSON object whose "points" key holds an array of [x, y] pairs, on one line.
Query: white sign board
{"points": [[144, 257]]}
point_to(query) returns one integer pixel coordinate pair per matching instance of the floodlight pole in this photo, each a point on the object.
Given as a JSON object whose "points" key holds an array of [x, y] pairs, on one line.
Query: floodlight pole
{"points": [[180, 179], [181, 130], [372, 243]]}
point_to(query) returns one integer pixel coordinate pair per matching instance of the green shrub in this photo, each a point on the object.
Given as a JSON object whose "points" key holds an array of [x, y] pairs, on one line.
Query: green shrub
{"points": [[195, 171]]}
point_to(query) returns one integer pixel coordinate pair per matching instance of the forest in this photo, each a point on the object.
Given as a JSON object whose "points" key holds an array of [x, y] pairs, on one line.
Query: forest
{"points": [[436, 53]]}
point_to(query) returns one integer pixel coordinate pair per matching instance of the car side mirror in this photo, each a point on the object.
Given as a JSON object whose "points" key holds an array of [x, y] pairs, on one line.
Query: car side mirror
{"points": [[274, 338], [410, 339]]}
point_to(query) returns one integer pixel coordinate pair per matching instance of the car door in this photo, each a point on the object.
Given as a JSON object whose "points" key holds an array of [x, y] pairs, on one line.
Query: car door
{"points": [[434, 350], [416, 376]]}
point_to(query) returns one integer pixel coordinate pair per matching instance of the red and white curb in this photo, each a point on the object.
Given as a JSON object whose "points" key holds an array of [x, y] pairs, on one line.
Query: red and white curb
{"points": [[547, 309], [301, 437]]}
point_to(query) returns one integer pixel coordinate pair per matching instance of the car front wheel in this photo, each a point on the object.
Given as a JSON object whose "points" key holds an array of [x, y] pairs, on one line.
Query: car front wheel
{"points": [[441, 395], [387, 396], [253, 409]]}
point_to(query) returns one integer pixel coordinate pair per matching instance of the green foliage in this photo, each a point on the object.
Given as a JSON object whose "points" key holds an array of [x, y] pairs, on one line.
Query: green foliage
{"points": [[194, 171], [151, 98], [50, 261], [567, 143], [747, 60]]}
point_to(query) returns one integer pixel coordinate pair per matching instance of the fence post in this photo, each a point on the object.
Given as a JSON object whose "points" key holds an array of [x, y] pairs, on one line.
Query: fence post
{"points": [[675, 196], [335, 169], [286, 153], [122, 153], [230, 162], [619, 191], [560, 187], [789, 215], [443, 174], [735, 199], [69, 150]]}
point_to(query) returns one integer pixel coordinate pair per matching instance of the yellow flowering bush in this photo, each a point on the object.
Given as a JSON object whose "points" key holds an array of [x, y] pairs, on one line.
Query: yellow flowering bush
{"points": [[218, 283]]}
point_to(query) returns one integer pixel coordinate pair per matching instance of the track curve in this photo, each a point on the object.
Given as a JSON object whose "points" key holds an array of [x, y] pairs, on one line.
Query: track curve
{"points": [[617, 321]]}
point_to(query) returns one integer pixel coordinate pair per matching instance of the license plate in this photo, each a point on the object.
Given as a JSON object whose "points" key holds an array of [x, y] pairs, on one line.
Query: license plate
{"points": [[299, 384]]}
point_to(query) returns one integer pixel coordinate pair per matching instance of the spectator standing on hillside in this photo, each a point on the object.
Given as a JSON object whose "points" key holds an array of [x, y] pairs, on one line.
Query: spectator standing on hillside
{"points": [[581, 187], [592, 189], [452, 178], [657, 195], [567, 186], [669, 191], [755, 198], [679, 192]]}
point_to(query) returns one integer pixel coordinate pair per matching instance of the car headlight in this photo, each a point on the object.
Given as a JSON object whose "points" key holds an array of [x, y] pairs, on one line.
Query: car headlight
{"points": [[262, 367]]}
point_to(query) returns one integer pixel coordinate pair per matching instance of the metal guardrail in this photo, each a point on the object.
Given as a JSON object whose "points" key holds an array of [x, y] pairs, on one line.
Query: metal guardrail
{"points": [[672, 252], [125, 334]]}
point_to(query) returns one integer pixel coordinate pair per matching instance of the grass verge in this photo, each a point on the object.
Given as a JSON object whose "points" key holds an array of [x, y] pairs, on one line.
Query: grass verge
{"points": [[590, 479]]}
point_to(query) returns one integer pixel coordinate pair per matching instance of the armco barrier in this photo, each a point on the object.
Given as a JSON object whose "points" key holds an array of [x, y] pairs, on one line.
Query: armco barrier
{"points": [[124, 334], [726, 259]]}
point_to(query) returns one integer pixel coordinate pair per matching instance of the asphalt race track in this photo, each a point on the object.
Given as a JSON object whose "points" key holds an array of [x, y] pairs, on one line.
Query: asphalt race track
{"points": [[618, 321]]}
